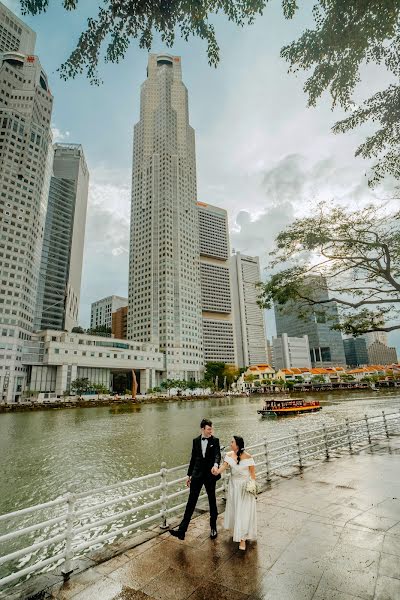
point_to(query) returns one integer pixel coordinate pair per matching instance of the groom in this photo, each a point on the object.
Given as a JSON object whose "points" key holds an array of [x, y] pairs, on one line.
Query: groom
{"points": [[204, 462]]}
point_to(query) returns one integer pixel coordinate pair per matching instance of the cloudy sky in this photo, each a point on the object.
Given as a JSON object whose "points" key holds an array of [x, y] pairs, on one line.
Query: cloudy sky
{"points": [[261, 153]]}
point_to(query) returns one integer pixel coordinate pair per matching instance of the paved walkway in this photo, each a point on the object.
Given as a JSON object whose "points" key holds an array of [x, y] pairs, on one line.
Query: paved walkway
{"points": [[332, 533]]}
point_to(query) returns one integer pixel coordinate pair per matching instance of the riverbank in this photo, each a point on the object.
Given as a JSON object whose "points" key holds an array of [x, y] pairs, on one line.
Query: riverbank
{"points": [[111, 401], [104, 402]]}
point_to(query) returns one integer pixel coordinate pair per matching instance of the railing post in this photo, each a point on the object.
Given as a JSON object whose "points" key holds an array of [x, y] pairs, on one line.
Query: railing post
{"points": [[224, 478], [164, 496], [385, 424], [349, 435], [267, 459], [66, 569], [326, 442], [299, 449], [368, 431]]}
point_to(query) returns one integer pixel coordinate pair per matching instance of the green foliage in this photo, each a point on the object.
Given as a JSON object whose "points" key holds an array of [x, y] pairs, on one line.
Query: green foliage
{"points": [[318, 379], [100, 330], [81, 385], [348, 34], [128, 392], [77, 330], [353, 256], [120, 383], [99, 388]]}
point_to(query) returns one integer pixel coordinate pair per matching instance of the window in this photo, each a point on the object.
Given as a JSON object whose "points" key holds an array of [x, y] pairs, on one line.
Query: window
{"points": [[56, 351]]}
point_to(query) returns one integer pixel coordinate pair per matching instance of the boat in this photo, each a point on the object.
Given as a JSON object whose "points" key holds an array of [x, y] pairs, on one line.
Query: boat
{"points": [[276, 407]]}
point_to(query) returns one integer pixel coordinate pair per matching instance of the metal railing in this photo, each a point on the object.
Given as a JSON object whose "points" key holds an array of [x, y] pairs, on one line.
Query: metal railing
{"points": [[56, 533]]}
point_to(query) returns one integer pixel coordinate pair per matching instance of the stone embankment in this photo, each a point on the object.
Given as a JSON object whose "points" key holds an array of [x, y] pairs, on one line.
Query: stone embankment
{"points": [[110, 401]]}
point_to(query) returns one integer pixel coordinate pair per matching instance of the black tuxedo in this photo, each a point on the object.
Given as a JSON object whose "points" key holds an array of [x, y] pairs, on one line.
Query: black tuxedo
{"points": [[200, 472]]}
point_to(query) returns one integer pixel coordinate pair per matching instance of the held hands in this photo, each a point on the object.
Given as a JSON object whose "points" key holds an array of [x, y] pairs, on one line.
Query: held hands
{"points": [[215, 471], [189, 479]]}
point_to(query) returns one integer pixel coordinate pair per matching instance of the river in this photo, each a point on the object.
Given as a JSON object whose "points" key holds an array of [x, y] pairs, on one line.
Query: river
{"points": [[42, 452]]}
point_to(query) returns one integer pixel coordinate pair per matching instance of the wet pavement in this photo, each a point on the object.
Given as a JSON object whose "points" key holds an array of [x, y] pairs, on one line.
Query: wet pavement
{"points": [[331, 533]]}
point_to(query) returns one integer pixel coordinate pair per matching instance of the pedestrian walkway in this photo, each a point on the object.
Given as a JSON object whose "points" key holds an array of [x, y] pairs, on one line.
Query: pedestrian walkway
{"points": [[331, 533]]}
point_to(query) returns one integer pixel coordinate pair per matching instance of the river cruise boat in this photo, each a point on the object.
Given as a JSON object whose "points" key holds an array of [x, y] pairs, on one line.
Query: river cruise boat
{"points": [[276, 407]]}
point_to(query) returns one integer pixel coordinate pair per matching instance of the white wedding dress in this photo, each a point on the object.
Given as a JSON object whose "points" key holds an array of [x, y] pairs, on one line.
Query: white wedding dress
{"points": [[240, 512]]}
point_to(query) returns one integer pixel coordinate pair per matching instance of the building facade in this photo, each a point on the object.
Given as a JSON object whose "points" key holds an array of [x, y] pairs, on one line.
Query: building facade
{"points": [[101, 311], [249, 324], [164, 262], [326, 344], [291, 352], [119, 327], [62, 253], [375, 336], [381, 354], [25, 162], [216, 297], [15, 36], [54, 359], [355, 350]]}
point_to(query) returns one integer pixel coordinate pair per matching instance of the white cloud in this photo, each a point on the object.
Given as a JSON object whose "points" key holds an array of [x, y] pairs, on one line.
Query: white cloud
{"points": [[58, 135]]}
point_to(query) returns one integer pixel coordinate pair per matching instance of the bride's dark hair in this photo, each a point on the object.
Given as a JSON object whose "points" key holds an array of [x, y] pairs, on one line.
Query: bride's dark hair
{"points": [[240, 444]]}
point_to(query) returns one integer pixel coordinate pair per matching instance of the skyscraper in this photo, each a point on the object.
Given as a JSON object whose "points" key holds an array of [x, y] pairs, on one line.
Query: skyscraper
{"points": [[326, 344], [218, 333], [15, 36], [250, 335], [61, 264], [25, 143], [164, 263], [355, 350], [102, 310]]}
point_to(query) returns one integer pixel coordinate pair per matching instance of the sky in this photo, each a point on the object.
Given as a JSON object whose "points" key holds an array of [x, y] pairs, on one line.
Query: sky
{"points": [[262, 154]]}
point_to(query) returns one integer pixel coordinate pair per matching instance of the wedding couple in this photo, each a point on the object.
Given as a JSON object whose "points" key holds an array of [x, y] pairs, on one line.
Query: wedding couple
{"points": [[204, 469]]}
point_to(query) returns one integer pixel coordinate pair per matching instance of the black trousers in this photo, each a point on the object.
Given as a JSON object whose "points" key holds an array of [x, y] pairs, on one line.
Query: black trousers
{"points": [[195, 489]]}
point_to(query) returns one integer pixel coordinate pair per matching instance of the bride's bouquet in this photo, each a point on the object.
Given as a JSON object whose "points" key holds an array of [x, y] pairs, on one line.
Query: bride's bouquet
{"points": [[252, 488]]}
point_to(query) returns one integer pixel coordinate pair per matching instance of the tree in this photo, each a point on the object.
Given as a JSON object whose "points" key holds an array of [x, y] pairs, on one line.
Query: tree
{"points": [[357, 253], [213, 370], [99, 388], [77, 330], [347, 34], [81, 385], [100, 330]]}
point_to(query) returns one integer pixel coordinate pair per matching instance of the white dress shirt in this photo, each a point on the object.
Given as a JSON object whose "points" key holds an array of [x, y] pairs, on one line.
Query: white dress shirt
{"points": [[204, 444]]}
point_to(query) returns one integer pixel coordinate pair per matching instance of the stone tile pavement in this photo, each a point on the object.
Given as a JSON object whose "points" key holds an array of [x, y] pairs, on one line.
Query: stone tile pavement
{"points": [[331, 533]]}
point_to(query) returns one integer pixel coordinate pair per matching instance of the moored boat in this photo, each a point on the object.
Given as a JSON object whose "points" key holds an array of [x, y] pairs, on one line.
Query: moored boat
{"points": [[276, 407]]}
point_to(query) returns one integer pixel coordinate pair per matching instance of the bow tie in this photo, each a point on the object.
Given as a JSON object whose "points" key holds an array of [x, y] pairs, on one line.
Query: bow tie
{"points": [[203, 439]]}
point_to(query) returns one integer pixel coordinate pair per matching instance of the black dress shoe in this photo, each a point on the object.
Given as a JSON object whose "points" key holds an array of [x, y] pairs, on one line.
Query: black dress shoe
{"points": [[178, 534], [213, 533]]}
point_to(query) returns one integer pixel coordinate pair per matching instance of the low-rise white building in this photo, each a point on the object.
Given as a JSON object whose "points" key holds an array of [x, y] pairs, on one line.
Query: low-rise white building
{"points": [[54, 359]]}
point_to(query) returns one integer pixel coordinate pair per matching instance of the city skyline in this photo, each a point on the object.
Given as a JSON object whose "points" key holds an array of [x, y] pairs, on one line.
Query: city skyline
{"points": [[264, 174]]}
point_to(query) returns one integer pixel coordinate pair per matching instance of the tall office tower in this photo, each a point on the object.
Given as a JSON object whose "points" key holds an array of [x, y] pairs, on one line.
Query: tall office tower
{"points": [[375, 336], [164, 263], [25, 143], [355, 350], [218, 333], [15, 36], [326, 345], [250, 335], [61, 265], [101, 311]]}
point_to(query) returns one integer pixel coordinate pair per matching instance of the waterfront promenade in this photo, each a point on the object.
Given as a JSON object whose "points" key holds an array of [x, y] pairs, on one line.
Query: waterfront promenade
{"points": [[331, 533]]}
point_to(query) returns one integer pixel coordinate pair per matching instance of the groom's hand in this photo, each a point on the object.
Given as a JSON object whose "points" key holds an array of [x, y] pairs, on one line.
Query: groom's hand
{"points": [[189, 479], [214, 471]]}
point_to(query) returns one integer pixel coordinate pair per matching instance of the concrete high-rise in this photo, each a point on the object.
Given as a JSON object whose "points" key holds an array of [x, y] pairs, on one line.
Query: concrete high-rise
{"points": [[102, 310], [164, 263], [251, 342], [15, 36], [326, 344], [64, 235], [291, 352], [25, 143], [216, 297]]}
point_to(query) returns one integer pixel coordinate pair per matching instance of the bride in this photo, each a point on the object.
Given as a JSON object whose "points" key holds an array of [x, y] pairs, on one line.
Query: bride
{"points": [[240, 513]]}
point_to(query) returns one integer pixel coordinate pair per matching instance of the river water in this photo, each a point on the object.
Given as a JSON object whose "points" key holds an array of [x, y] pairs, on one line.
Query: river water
{"points": [[42, 452]]}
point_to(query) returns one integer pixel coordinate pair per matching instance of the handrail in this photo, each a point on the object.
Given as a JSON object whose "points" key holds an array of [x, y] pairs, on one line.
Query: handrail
{"points": [[82, 525]]}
